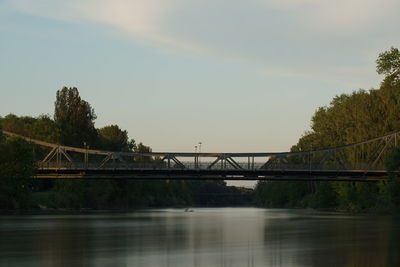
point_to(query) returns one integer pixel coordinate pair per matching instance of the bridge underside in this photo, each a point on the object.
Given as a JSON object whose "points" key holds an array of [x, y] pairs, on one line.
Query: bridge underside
{"points": [[212, 174]]}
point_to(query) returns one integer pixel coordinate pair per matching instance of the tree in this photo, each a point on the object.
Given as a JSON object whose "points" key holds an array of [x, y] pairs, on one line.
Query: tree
{"points": [[113, 138], [45, 129], [349, 118], [42, 127], [75, 118], [141, 148], [388, 63], [15, 124], [393, 185], [16, 167]]}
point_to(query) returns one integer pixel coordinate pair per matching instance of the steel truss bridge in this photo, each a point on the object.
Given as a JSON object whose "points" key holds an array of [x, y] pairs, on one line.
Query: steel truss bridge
{"points": [[362, 161]]}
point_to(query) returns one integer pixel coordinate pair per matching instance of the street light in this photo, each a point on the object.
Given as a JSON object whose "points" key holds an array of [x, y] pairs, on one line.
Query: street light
{"points": [[199, 153], [195, 156], [85, 155]]}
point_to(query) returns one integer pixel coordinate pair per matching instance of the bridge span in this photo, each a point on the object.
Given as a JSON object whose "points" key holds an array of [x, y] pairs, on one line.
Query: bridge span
{"points": [[357, 162]]}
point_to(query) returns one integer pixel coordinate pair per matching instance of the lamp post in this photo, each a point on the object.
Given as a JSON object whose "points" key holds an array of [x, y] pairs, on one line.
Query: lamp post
{"points": [[86, 157], [195, 156], [310, 158], [199, 154]]}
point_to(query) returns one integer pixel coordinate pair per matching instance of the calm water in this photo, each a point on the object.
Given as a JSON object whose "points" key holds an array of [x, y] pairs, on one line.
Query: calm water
{"points": [[205, 237]]}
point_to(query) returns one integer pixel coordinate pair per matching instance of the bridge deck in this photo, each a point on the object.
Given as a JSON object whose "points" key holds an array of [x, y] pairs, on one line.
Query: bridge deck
{"points": [[215, 174]]}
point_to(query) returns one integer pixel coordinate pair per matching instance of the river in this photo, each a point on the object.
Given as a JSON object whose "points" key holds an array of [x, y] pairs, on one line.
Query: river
{"points": [[204, 237]]}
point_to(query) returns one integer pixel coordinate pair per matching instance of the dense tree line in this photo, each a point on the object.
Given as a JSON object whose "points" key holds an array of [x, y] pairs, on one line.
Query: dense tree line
{"points": [[16, 166], [73, 124], [349, 118]]}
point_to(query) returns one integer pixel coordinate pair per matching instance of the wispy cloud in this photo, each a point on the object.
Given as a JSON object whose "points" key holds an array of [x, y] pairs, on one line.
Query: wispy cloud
{"points": [[144, 21], [269, 32], [161, 22]]}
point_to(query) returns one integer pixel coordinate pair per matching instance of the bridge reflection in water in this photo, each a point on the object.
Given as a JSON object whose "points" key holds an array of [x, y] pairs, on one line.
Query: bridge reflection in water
{"points": [[362, 161]]}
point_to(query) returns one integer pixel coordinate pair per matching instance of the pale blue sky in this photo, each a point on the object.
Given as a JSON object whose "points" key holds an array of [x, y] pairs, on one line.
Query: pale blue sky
{"points": [[240, 76]]}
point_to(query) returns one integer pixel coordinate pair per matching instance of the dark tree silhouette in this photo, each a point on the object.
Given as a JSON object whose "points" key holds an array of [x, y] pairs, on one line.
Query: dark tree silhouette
{"points": [[75, 118]]}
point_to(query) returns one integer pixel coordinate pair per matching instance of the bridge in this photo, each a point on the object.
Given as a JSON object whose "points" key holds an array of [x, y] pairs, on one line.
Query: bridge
{"points": [[357, 162]]}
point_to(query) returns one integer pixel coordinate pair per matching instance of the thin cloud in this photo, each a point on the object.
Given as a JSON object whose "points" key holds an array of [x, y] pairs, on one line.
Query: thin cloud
{"points": [[268, 33], [144, 21], [155, 21]]}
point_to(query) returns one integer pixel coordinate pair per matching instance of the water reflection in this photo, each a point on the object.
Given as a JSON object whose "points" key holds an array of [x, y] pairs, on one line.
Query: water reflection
{"points": [[206, 237]]}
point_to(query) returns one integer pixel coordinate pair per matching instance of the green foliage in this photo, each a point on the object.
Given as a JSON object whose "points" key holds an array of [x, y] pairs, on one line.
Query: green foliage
{"points": [[17, 124], [45, 129], [393, 190], [352, 118], [106, 194], [357, 196], [42, 127], [73, 124], [216, 193], [125, 194], [393, 162], [282, 194], [349, 118], [75, 118], [141, 148], [324, 197], [114, 139], [388, 62], [16, 167], [156, 193], [69, 194], [393, 186], [75, 194]]}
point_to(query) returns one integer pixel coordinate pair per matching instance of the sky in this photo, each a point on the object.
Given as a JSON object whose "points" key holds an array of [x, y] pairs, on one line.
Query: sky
{"points": [[238, 76]]}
